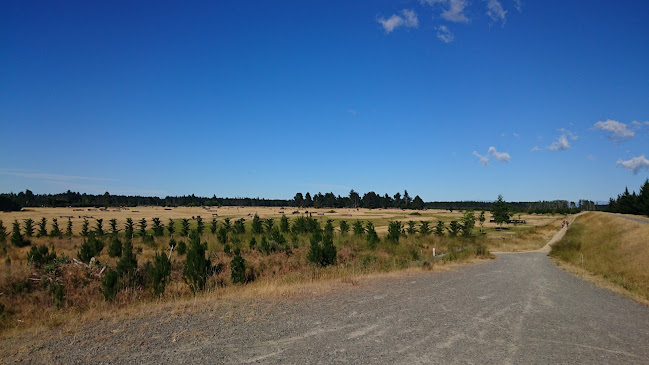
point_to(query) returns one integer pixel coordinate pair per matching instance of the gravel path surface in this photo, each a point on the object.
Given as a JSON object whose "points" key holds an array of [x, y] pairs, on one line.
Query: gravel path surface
{"points": [[517, 309]]}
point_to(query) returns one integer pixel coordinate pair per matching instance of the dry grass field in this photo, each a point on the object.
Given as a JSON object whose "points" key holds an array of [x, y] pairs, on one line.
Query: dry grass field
{"points": [[611, 247], [28, 297]]}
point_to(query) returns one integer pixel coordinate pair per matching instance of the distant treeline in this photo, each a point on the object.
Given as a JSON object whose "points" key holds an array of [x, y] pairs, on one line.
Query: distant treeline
{"points": [[631, 203], [369, 200]]}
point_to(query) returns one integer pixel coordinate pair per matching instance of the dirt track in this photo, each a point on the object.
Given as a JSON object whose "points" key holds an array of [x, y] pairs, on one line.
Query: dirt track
{"points": [[519, 308]]}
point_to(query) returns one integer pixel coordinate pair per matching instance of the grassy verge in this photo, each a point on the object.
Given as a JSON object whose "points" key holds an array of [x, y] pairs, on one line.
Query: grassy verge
{"points": [[608, 247]]}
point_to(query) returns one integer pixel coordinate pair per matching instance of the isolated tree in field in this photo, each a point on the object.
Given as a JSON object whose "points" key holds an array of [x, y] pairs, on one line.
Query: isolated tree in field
{"points": [[42, 228], [170, 227], [468, 222], [3, 232], [197, 266], [482, 219], [85, 230], [454, 228], [298, 200], [359, 230], [284, 225], [500, 211], [213, 226], [200, 226], [239, 226], [29, 227], [439, 228], [256, 225], [142, 227], [269, 224], [55, 231], [238, 268], [394, 231], [159, 273], [113, 226], [184, 227], [417, 203], [344, 227], [17, 239], [424, 228], [412, 229], [99, 227], [128, 228], [406, 199], [68, 228], [372, 238]]}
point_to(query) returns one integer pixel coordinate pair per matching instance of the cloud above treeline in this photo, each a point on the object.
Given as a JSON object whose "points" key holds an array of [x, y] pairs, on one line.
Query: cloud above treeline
{"points": [[493, 153], [635, 165], [618, 132]]}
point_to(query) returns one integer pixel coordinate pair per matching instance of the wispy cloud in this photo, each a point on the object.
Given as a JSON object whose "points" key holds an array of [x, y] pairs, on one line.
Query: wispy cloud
{"points": [[618, 131], [482, 159], [444, 35], [455, 11], [635, 165], [408, 19], [500, 156], [535, 149], [518, 5], [496, 12]]}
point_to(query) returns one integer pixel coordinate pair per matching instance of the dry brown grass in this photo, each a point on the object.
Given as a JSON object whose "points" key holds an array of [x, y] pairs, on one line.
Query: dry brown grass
{"points": [[525, 240], [613, 248]]}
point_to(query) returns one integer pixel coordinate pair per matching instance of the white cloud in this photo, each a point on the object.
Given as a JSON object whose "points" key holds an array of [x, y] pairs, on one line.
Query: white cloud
{"points": [[444, 35], [500, 156], [516, 135], [618, 131], [409, 20], [482, 159], [535, 149], [635, 164], [560, 144], [518, 5], [455, 11], [495, 11]]}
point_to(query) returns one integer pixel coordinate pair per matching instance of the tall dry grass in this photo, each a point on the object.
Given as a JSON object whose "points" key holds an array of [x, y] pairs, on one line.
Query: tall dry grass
{"points": [[613, 248]]}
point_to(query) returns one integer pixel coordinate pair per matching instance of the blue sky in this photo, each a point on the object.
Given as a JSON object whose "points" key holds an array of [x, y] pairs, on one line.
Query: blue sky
{"points": [[449, 99]]}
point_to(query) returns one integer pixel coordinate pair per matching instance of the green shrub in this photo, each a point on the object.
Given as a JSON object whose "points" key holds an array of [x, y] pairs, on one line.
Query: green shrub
{"points": [[3, 232], [109, 285], [222, 235], [17, 239], [158, 273], [197, 266], [42, 228], [115, 247], [253, 243], [238, 268], [58, 294], [372, 238], [322, 254], [40, 256], [394, 231], [127, 264], [182, 248]]}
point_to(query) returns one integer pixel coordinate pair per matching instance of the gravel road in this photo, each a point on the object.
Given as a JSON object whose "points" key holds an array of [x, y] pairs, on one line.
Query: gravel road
{"points": [[516, 309]]}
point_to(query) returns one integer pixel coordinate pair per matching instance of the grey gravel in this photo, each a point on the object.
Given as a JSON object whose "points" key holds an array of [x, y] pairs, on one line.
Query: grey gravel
{"points": [[516, 309]]}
